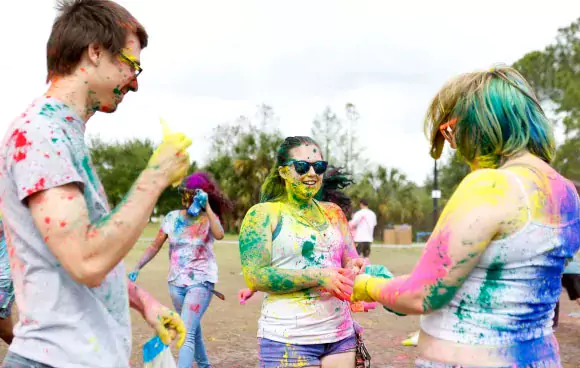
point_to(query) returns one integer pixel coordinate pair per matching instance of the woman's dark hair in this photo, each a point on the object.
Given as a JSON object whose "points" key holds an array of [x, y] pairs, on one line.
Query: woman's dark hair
{"points": [[204, 181], [335, 179]]}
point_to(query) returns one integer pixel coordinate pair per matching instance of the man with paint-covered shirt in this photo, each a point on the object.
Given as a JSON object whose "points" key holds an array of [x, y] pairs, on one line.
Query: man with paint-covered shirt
{"points": [[66, 245]]}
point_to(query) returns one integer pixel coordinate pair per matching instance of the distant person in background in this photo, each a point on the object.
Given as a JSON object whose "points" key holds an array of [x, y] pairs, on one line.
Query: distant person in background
{"points": [[6, 291], [570, 278], [570, 282], [363, 226]]}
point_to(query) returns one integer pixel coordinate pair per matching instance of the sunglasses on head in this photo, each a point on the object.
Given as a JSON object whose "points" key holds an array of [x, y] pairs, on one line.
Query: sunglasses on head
{"points": [[447, 130], [302, 167]]}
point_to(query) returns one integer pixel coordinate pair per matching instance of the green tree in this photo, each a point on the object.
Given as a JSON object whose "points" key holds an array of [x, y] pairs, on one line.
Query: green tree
{"points": [[554, 73], [119, 164], [393, 197], [243, 154]]}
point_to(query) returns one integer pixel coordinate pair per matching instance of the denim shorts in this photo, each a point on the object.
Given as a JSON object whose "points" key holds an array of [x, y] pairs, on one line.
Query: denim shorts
{"points": [[274, 354]]}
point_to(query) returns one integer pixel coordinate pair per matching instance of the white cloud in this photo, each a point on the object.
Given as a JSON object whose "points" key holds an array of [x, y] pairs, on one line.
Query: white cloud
{"points": [[211, 61]]}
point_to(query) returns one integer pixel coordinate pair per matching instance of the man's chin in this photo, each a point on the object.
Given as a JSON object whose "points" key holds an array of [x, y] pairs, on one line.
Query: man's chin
{"points": [[108, 108]]}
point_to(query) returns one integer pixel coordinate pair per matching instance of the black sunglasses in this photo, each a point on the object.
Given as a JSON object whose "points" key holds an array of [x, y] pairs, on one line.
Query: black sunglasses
{"points": [[302, 167]]}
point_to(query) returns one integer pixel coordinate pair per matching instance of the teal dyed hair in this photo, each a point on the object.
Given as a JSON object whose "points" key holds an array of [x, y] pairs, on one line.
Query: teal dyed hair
{"points": [[498, 116]]}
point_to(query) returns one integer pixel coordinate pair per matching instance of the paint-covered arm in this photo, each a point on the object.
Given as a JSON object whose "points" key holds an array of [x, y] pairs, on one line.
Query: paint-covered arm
{"points": [[471, 219], [152, 250], [255, 253], [164, 321], [214, 223], [89, 251], [350, 257]]}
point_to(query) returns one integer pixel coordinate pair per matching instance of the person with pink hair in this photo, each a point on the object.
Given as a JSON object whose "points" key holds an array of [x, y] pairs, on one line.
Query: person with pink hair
{"points": [[193, 269]]}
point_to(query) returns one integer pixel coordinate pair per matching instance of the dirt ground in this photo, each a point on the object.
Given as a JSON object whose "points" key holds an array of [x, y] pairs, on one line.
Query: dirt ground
{"points": [[229, 329]]}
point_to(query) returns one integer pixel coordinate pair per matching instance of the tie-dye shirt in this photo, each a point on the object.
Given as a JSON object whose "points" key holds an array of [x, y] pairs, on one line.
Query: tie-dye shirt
{"points": [[191, 256], [509, 297], [61, 322], [308, 316]]}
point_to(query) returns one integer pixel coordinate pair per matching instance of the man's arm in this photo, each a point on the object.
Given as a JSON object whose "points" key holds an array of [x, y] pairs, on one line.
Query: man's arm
{"points": [[90, 251], [162, 319]]}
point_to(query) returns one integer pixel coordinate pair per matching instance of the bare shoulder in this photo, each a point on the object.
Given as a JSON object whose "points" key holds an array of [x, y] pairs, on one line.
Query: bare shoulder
{"points": [[263, 215], [331, 209], [490, 182]]}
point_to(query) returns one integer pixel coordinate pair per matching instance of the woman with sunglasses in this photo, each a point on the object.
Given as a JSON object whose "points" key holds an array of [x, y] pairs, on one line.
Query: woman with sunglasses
{"points": [[299, 252], [193, 269], [489, 277]]}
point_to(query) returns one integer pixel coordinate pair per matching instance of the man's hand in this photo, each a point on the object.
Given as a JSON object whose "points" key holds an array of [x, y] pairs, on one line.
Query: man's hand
{"points": [[165, 322], [170, 157]]}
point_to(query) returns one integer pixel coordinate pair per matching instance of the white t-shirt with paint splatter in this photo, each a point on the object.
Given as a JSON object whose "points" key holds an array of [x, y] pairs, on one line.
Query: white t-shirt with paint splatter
{"points": [[309, 316], [61, 322]]}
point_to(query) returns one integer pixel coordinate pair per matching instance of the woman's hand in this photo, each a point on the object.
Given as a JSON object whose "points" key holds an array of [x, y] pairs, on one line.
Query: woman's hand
{"points": [[244, 295], [338, 282]]}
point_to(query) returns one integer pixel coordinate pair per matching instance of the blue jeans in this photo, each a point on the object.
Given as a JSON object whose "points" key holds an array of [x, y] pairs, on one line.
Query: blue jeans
{"points": [[191, 303], [12, 360]]}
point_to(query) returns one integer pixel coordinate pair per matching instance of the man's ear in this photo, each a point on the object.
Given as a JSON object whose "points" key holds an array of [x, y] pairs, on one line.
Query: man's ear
{"points": [[94, 53]]}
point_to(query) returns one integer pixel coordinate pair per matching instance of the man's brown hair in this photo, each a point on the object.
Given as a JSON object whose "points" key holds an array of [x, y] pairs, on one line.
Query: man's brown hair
{"points": [[82, 22]]}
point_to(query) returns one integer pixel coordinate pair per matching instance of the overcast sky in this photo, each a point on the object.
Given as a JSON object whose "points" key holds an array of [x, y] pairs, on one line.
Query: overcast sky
{"points": [[209, 62]]}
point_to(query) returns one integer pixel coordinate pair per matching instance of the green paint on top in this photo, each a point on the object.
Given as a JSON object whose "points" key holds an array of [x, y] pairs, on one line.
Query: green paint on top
{"points": [[308, 250], [117, 91]]}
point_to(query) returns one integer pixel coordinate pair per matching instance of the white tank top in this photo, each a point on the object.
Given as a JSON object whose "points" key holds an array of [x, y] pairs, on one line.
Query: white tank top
{"points": [[307, 316], [509, 297]]}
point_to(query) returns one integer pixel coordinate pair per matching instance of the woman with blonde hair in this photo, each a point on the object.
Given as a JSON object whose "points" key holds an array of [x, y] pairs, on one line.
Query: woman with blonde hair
{"points": [[489, 276]]}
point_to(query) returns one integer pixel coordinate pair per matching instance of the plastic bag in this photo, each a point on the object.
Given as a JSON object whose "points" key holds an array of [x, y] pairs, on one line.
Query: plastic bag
{"points": [[157, 355]]}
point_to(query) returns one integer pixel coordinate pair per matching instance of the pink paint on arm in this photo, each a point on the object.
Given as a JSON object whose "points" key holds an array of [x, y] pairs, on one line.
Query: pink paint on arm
{"points": [[434, 264]]}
